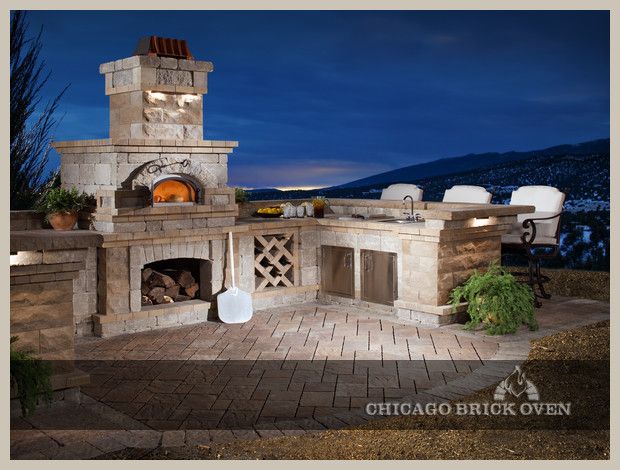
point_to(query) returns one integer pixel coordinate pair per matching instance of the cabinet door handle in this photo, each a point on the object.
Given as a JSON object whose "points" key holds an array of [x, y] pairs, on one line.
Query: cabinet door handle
{"points": [[348, 260], [368, 264]]}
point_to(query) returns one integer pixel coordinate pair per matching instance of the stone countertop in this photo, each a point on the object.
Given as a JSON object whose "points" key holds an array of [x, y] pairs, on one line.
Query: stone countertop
{"points": [[431, 210], [428, 209], [48, 239], [256, 224]]}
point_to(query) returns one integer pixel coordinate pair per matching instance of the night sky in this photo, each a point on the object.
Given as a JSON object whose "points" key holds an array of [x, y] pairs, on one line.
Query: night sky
{"points": [[322, 98]]}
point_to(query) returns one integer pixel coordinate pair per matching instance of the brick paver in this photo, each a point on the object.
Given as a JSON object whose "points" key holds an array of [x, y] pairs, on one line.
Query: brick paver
{"points": [[290, 370], [295, 362]]}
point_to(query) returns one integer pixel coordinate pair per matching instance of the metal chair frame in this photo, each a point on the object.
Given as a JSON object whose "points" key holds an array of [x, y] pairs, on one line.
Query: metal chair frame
{"points": [[534, 253]]}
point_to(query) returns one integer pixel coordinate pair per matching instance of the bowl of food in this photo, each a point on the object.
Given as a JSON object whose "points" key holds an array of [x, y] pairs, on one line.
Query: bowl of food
{"points": [[268, 212]]}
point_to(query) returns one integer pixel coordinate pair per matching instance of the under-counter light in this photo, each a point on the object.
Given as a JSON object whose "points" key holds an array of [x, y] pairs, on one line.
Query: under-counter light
{"points": [[481, 221], [21, 257]]}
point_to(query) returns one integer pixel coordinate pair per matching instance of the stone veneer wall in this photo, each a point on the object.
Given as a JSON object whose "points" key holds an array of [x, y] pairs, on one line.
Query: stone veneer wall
{"points": [[51, 296], [155, 97], [44, 256], [42, 287], [437, 264]]}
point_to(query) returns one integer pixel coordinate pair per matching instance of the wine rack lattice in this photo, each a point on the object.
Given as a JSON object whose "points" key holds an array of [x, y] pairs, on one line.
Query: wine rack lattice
{"points": [[274, 260]]}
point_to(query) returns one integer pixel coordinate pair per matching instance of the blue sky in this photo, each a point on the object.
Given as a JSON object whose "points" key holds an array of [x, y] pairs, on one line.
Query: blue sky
{"points": [[322, 98]]}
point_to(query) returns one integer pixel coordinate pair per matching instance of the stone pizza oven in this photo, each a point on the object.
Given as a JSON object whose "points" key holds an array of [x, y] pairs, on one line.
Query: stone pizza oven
{"points": [[161, 190]]}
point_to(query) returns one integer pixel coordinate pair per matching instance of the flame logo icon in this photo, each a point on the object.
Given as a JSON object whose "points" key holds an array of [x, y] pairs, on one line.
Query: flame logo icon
{"points": [[516, 384]]}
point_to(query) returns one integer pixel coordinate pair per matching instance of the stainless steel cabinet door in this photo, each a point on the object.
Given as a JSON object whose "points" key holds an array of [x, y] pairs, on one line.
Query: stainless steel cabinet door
{"points": [[379, 277], [337, 271]]}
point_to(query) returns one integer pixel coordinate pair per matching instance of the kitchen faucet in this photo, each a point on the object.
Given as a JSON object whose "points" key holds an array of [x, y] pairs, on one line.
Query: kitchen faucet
{"points": [[410, 216]]}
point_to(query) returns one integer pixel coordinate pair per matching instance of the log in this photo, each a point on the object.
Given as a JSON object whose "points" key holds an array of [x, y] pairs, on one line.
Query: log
{"points": [[182, 298], [146, 273], [192, 290], [184, 278], [157, 279], [146, 300], [173, 291], [156, 294]]}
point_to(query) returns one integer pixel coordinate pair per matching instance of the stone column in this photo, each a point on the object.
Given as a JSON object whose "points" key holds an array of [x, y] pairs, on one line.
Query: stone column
{"points": [[113, 280], [156, 97]]}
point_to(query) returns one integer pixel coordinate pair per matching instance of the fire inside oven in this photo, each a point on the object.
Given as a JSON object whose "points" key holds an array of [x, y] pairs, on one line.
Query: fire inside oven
{"points": [[174, 190]]}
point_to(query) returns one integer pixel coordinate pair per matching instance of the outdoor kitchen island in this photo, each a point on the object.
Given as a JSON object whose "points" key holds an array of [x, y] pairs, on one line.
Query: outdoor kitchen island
{"points": [[382, 261]]}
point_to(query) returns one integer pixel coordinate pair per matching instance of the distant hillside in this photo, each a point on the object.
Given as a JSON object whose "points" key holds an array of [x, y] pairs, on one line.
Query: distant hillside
{"points": [[581, 170], [471, 162]]}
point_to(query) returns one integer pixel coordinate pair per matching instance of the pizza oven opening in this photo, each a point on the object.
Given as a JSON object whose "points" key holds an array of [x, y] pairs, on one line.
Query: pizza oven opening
{"points": [[174, 190]]}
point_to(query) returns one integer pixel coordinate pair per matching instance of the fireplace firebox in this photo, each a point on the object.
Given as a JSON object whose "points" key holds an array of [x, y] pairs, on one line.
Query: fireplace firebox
{"points": [[176, 280]]}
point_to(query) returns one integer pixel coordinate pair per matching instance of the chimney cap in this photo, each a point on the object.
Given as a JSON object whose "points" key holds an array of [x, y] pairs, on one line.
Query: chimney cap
{"points": [[163, 47]]}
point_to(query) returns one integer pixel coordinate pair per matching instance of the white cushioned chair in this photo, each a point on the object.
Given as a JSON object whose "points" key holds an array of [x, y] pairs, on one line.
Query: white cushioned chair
{"points": [[536, 235], [396, 192], [469, 194]]}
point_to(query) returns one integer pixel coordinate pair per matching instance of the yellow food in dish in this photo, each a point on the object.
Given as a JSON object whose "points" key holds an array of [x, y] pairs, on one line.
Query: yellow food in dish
{"points": [[270, 210]]}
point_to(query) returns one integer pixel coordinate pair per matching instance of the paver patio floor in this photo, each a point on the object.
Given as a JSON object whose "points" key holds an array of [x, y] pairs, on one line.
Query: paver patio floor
{"points": [[288, 371], [295, 362]]}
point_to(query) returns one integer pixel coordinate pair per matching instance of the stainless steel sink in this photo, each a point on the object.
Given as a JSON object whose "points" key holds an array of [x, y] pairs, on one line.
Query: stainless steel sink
{"points": [[400, 221]]}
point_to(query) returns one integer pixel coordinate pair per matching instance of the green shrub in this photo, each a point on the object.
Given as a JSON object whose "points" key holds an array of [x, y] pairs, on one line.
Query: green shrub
{"points": [[240, 195], [61, 200], [497, 301], [31, 376]]}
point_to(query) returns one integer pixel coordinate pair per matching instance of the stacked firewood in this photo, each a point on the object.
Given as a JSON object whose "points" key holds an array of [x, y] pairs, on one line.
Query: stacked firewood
{"points": [[175, 285]]}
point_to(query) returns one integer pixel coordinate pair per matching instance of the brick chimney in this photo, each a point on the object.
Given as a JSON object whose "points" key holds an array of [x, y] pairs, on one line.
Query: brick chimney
{"points": [[157, 92]]}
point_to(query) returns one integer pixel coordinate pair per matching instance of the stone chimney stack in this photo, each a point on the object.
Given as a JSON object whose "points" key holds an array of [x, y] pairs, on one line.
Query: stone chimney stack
{"points": [[157, 92]]}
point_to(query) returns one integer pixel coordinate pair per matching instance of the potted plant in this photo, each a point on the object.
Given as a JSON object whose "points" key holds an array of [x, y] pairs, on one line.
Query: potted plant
{"points": [[496, 300], [30, 379], [318, 204], [61, 207], [241, 195]]}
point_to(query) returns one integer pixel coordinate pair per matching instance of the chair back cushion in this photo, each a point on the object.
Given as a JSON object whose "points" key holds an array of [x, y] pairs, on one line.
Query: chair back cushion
{"points": [[547, 200], [396, 192], [469, 194]]}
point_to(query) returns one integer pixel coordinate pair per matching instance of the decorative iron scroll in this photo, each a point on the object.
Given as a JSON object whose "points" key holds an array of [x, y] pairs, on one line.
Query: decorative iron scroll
{"points": [[154, 168]]}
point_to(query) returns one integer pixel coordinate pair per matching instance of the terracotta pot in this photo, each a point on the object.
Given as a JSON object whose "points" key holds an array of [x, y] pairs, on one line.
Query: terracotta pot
{"points": [[63, 220]]}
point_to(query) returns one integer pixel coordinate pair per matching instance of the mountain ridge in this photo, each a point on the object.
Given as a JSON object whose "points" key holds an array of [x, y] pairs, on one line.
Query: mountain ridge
{"points": [[473, 161]]}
